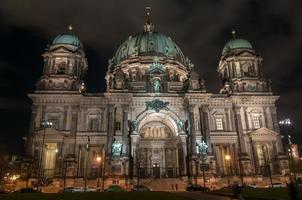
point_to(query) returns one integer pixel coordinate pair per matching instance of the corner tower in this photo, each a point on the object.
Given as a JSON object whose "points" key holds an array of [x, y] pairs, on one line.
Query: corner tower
{"points": [[64, 65], [240, 68]]}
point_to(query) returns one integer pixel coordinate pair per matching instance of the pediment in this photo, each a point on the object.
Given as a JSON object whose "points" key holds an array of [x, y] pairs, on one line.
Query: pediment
{"points": [[50, 132], [63, 49], [264, 133]]}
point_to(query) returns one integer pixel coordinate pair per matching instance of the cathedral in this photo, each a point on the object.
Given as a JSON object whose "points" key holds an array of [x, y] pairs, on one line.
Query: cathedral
{"points": [[156, 120]]}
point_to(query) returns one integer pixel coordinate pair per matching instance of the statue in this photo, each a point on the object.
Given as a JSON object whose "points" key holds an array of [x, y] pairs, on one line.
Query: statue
{"points": [[202, 148], [156, 86], [116, 148]]}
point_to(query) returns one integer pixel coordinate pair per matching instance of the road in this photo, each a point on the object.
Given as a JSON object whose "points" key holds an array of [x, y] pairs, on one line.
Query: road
{"points": [[203, 196]]}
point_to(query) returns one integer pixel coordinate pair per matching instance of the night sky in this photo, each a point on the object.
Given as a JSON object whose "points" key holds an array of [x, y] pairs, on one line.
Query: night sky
{"points": [[200, 28]]}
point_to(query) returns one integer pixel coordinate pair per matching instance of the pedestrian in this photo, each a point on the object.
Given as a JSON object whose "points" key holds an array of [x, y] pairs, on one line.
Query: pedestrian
{"points": [[172, 186], [176, 187], [293, 191]]}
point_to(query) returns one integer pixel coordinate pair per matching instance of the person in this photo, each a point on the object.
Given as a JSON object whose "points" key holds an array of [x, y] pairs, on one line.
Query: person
{"points": [[293, 191], [237, 191]]}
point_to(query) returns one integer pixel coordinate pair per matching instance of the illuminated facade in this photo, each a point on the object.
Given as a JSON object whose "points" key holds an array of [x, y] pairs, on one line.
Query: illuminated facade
{"points": [[154, 114]]}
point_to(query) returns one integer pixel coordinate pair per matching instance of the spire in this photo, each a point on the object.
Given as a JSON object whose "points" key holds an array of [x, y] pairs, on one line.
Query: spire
{"points": [[233, 33], [148, 27]]}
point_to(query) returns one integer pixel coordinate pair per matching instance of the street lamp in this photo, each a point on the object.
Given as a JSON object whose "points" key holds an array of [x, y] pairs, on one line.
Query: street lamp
{"points": [[87, 160], [202, 152], [286, 124], [228, 159], [99, 159], [44, 124]]}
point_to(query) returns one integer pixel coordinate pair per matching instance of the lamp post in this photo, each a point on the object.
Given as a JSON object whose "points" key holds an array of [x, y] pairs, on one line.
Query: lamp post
{"points": [[99, 159], [286, 124], [228, 161], [202, 152], [87, 160], [44, 124], [267, 166], [103, 172]]}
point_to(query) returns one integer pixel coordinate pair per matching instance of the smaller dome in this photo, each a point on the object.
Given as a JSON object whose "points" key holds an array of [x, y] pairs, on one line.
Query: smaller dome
{"points": [[67, 39], [236, 43]]}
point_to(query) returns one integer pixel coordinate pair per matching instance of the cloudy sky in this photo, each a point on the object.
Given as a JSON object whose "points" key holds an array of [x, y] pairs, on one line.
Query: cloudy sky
{"points": [[200, 28]]}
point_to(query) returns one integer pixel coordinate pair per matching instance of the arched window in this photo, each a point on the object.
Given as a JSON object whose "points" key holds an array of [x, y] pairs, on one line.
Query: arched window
{"points": [[93, 124]]}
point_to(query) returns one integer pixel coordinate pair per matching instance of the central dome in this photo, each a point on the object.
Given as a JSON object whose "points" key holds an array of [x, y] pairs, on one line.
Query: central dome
{"points": [[149, 43]]}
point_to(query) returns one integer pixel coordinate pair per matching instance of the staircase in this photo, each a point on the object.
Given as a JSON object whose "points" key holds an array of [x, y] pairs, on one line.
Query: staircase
{"points": [[164, 184]]}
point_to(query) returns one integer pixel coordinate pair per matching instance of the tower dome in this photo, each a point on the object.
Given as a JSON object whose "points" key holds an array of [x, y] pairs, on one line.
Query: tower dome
{"points": [[69, 39], [236, 44]]}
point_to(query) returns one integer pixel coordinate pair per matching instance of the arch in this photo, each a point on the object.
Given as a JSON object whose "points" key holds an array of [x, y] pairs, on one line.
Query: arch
{"points": [[170, 119]]}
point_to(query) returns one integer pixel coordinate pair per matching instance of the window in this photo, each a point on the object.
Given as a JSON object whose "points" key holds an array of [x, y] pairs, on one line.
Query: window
{"points": [[62, 68], [93, 124], [117, 126], [256, 121], [55, 122], [219, 124]]}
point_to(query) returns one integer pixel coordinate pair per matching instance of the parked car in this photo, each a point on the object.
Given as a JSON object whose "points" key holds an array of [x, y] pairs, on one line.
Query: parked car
{"points": [[276, 185], [253, 185], [140, 188], [28, 190], [4, 191], [114, 188], [196, 187], [91, 189], [78, 189]]}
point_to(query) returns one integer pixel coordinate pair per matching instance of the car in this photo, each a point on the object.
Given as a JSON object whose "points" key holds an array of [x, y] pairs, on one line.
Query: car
{"points": [[28, 190], [4, 191], [196, 187], [140, 188], [253, 185], [67, 189], [114, 188], [78, 189], [276, 185], [91, 189]]}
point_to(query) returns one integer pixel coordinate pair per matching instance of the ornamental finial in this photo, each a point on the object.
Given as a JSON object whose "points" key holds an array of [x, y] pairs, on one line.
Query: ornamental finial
{"points": [[148, 27], [234, 33], [70, 28]]}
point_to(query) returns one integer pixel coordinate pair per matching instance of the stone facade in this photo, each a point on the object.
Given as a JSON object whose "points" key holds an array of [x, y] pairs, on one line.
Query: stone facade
{"points": [[154, 114]]}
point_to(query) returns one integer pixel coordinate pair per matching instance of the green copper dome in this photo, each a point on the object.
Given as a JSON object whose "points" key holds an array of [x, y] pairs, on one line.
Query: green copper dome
{"points": [[236, 43], [67, 39], [149, 43]]}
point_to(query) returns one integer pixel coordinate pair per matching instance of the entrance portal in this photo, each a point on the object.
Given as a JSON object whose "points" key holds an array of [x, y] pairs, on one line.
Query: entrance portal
{"points": [[156, 171]]}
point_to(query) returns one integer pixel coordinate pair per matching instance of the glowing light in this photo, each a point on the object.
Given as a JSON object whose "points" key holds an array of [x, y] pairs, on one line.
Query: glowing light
{"points": [[99, 159], [228, 157]]}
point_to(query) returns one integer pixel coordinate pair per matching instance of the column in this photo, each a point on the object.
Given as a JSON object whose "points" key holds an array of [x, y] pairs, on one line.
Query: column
{"points": [[125, 131], [204, 123], [184, 154], [192, 131], [110, 128], [239, 129]]}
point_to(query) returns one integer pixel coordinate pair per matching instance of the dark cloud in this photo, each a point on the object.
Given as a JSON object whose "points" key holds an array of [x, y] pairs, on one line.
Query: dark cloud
{"points": [[200, 28]]}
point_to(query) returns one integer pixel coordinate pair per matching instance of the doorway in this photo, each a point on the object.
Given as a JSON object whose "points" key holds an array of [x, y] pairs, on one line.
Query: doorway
{"points": [[156, 171]]}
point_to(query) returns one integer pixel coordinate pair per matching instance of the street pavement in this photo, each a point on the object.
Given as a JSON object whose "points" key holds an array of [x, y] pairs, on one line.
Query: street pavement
{"points": [[203, 196]]}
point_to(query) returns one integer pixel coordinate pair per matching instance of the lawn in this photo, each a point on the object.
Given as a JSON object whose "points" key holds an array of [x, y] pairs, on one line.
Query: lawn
{"points": [[267, 193], [264, 193], [95, 196]]}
